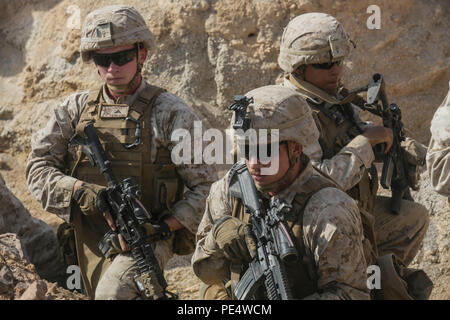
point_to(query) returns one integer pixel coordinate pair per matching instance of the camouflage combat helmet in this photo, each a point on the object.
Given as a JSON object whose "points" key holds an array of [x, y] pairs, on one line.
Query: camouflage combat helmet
{"points": [[312, 38], [113, 26], [277, 107]]}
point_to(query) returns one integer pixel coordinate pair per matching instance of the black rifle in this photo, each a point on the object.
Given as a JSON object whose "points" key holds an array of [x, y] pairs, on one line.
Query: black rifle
{"points": [[129, 216], [396, 169], [273, 243]]}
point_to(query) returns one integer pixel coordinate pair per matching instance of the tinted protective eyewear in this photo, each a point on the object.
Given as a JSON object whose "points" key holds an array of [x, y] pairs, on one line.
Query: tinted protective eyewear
{"points": [[326, 66], [262, 152], [119, 58]]}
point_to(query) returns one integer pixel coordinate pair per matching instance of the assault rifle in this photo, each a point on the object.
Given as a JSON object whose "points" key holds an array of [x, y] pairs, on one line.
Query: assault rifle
{"points": [[274, 246], [396, 169], [129, 216]]}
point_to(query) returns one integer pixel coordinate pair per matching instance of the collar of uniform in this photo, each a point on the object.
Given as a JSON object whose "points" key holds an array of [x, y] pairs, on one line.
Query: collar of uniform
{"points": [[126, 99], [287, 83], [297, 186]]}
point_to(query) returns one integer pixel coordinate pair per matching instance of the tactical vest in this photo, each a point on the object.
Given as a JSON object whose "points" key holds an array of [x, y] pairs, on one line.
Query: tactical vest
{"points": [[338, 129], [159, 182]]}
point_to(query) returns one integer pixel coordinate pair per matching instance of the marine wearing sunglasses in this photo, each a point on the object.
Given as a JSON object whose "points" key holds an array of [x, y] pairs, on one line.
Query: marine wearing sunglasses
{"points": [[326, 66], [262, 153], [119, 58], [325, 75], [119, 67]]}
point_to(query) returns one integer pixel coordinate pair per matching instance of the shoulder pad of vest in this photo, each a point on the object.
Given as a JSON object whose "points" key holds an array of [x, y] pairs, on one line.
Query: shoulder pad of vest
{"points": [[94, 95], [151, 91], [233, 183]]}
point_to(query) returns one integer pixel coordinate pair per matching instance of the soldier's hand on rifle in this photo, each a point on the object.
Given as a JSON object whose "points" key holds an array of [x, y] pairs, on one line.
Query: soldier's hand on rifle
{"points": [[109, 219], [158, 231], [89, 197], [232, 237], [379, 134]]}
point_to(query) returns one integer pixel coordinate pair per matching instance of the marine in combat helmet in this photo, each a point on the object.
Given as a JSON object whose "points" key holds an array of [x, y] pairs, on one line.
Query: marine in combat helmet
{"points": [[117, 40]]}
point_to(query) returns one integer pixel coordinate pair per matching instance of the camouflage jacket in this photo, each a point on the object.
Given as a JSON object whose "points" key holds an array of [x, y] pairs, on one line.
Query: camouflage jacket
{"points": [[438, 156], [348, 166], [46, 162], [332, 232]]}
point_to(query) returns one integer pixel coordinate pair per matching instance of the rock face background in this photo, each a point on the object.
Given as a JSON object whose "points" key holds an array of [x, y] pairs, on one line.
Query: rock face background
{"points": [[18, 278], [209, 51]]}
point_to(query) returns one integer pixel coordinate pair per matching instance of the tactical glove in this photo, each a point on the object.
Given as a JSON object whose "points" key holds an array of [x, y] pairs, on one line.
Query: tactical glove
{"points": [[233, 237], [156, 232], [415, 154], [109, 245], [91, 198]]}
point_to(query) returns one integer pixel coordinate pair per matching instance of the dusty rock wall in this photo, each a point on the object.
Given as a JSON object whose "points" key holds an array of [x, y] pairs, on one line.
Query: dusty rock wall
{"points": [[19, 279], [208, 51]]}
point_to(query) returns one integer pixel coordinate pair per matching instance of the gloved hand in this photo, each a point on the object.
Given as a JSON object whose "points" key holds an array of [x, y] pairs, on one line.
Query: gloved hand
{"points": [[91, 198], [233, 237], [110, 245], [415, 152], [158, 231]]}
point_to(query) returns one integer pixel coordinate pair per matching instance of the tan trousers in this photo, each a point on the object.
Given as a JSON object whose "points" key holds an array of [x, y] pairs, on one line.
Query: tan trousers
{"points": [[400, 234], [117, 283]]}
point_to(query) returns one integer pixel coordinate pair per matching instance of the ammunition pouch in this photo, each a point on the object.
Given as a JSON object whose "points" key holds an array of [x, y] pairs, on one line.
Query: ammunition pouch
{"points": [[149, 286], [67, 245]]}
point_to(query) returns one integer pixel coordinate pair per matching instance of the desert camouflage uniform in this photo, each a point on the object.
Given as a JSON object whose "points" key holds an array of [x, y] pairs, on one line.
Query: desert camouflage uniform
{"points": [[332, 235], [47, 163], [54, 189], [438, 156], [332, 228], [37, 238], [305, 41]]}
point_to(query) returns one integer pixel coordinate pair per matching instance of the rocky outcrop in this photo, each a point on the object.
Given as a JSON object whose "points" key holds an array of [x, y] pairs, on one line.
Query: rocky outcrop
{"points": [[19, 279], [38, 240]]}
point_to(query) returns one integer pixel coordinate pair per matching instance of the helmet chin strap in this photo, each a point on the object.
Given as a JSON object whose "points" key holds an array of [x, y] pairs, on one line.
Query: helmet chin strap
{"points": [[123, 89], [274, 186]]}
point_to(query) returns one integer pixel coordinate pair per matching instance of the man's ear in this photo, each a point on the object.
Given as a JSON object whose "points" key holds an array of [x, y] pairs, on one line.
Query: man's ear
{"points": [[143, 55], [297, 149]]}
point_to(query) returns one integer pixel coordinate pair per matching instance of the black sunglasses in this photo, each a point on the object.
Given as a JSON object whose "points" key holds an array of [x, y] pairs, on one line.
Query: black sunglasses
{"points": [[119, 58], [267, 151], [326, 66]]}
